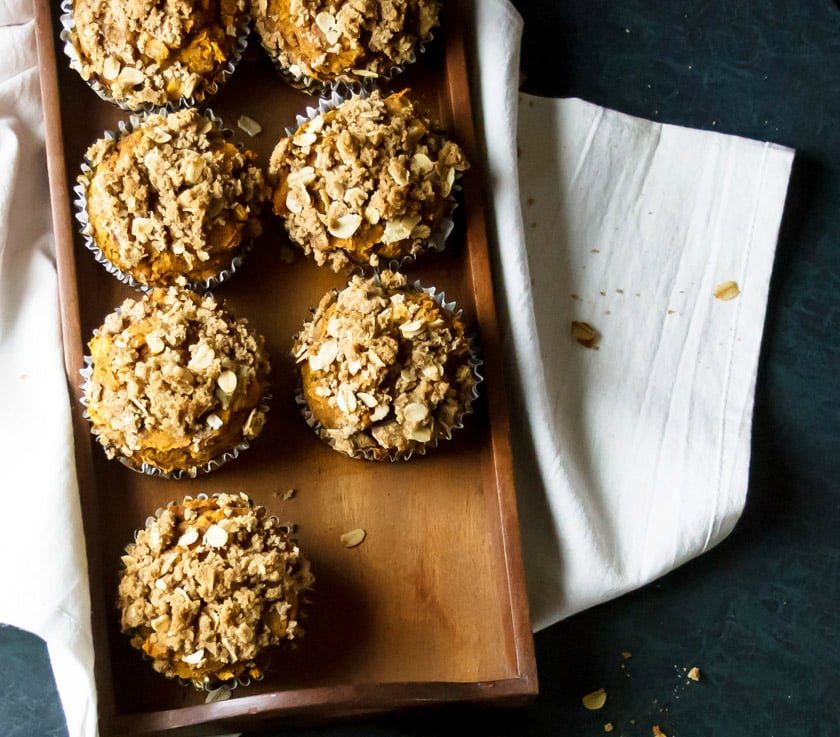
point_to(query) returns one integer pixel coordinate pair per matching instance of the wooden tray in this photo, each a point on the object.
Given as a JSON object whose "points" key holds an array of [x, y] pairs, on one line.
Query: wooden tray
{"points": [[431, 608]]}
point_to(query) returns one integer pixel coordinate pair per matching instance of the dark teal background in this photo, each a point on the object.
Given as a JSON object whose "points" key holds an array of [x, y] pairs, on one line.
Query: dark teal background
{"points": [[759, 613]]}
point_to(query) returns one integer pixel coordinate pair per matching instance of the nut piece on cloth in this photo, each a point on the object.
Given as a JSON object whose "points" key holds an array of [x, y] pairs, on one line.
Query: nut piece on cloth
{"points": [[209, 586]]}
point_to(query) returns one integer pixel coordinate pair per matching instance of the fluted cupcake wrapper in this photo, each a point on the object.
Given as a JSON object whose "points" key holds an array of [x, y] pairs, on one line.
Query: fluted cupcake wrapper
{"points": [[80, 204], [441, 433], [436, 242], [197, 99], [209, 684], [319, 88], [179, 474]]}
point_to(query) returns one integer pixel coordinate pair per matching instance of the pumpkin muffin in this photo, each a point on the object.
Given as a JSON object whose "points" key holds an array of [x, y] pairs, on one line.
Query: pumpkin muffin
{"points": [[385, 370], [172, 201], [145, 53], [366, 182], [334, 41], [209, 585], [175, 383]]}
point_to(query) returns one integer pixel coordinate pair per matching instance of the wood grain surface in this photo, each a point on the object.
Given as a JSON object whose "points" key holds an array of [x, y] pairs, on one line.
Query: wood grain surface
{"points": [[431, 608]]}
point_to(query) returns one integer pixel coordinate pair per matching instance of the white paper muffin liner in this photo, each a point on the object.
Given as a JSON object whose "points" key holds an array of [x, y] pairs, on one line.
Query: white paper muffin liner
{"points": [[207, 90], [321, 88], [436, 242], [83, 181], [442, 432], [189, 473], [212, 685]]}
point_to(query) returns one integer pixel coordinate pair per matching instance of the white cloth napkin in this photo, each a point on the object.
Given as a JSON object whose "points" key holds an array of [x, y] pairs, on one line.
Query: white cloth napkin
{"points": [[641, 448]]}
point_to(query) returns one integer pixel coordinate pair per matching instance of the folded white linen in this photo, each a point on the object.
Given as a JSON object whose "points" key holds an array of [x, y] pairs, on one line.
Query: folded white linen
{"points": [[642, 446]]}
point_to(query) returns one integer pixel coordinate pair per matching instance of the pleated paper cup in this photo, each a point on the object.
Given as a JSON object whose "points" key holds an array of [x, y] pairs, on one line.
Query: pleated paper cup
{"points": [[80, 204], [436, 242], [442, 432], [205, 91]]}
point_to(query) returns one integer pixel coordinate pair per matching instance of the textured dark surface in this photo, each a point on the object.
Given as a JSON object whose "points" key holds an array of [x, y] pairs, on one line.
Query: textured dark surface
{"points": [[758, 615]]}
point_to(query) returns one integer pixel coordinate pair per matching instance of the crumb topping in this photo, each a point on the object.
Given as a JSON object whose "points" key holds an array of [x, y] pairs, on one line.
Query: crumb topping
{"points": [[152, 52], [176, 381], [173, 200], [383, 366], [331, 40], [209, 584], [365, 181]]}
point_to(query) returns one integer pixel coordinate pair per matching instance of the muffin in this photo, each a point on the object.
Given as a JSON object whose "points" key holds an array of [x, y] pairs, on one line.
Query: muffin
{"points": [[175, 383], [329, 41], [366, 182], [385, 369], [144, 53], [209, 586], [171, 201]]}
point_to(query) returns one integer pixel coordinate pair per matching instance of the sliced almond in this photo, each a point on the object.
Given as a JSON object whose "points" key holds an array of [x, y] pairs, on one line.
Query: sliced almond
{"points": [[727, 290], [374, 358], [227, 382], [585, 334], [193, 169], [194, 658], [215, 537], [305, 175], [297, 199], [346, 399], [416, 412], [380, 413], [353, 538], [355, 197], [412, 328], [155, 343], [188, 538], [218, 694], [304, 139], [595, 700], [432, 373], [372, 215], [398, 230], [131, 76], [345, 226], [202, 357], [214, 422], [367, 399], [110, 68], [364, 73], [421, 164], [327, 353], [248, 125]]}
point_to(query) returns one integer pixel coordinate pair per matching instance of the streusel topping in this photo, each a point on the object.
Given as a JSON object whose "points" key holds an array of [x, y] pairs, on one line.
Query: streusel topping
{"points": [[152, 52], [383, 366], [331, 40], [365, 181], [176, 380], [209, 584], [173, 200]]}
